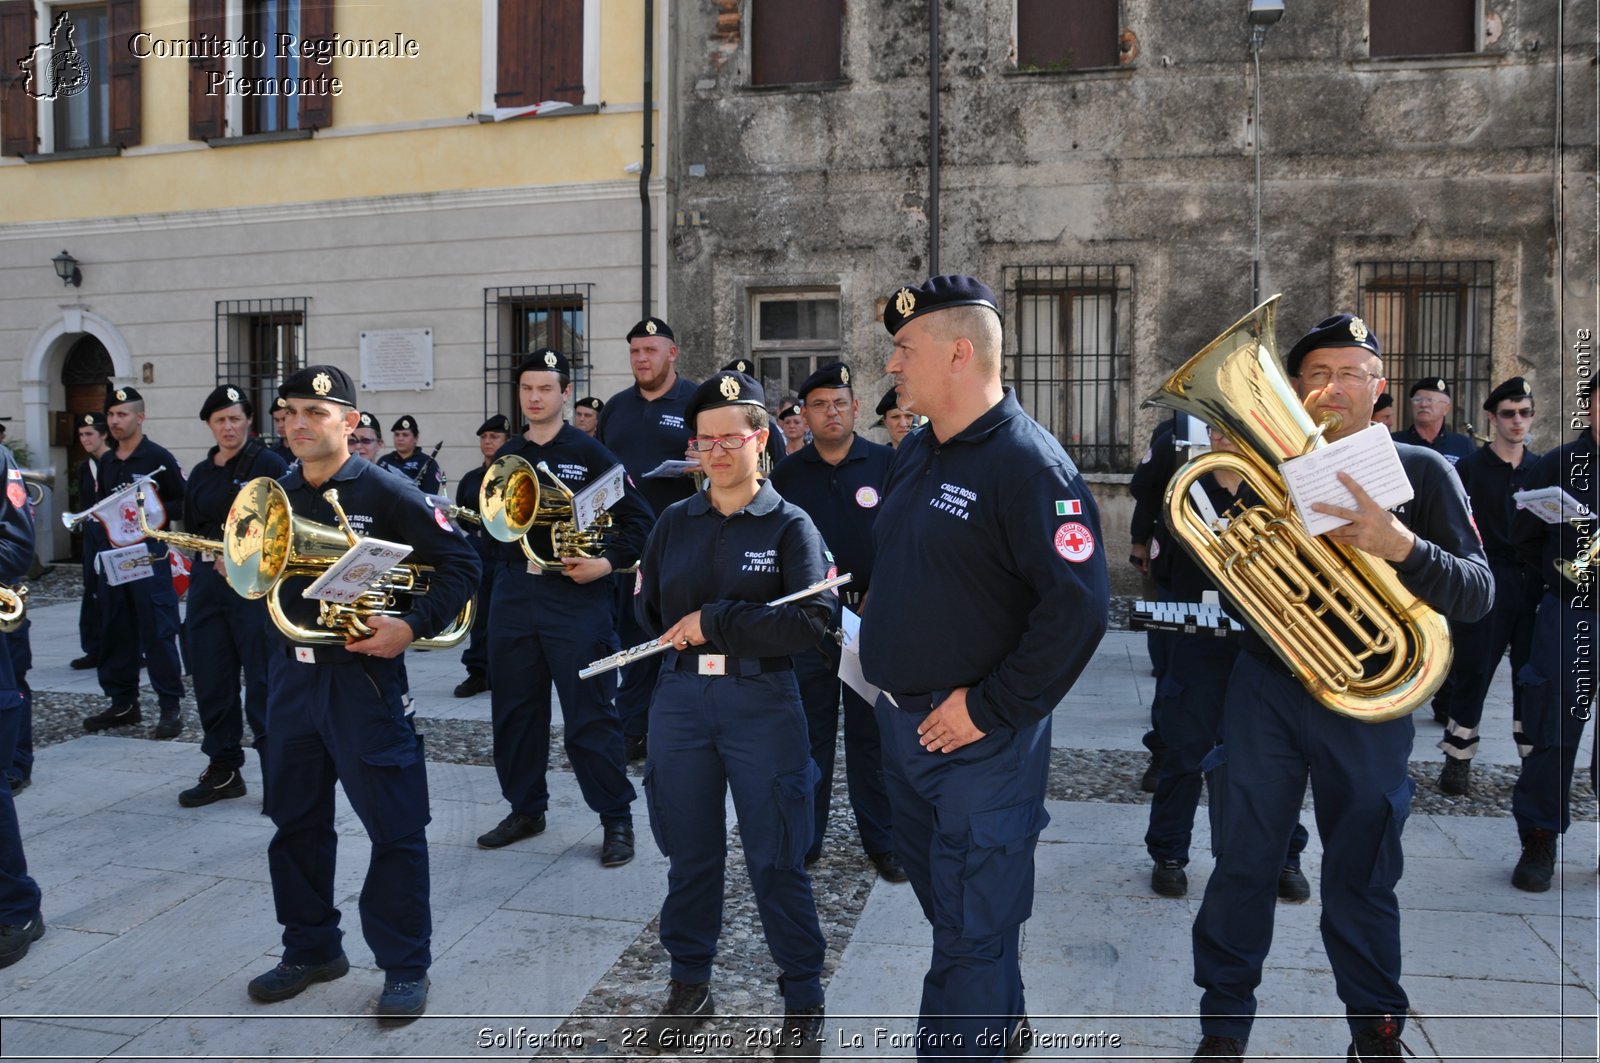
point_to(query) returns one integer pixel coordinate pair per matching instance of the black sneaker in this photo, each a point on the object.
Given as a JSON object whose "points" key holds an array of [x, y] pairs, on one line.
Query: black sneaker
{"points": [[636, 746], [171, 723], [87, 661], [115, 716], [1538, 864], [1214, 1047], [291, 979], [513, 828], [1380, 1041], [1152, 774], [1169, 879], [801, 1035], [475, 683], [15, 939], [216, 783], [617, 848], [1292, 885], [889, 867], [688, 1005], [402, 1002], [1455, 778]]}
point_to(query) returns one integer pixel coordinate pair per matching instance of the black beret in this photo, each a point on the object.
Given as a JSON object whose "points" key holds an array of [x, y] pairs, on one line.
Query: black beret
{"points": [[833, 375], [742, 365], [936, 293], [793, 409], [406, 423], [497, 423], [368, 421], [544, 360], [118, 396], [223, 396], [1340, 330], [1430, 383], [724, 388], [326, 382], [591, 403], [279, 403], [651, 327], [1384, 402], [890, 400], [1516, 388], [94, 420]]}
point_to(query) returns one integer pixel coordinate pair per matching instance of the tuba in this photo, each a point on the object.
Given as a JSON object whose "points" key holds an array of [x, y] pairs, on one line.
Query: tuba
{"points": [[1362, 644], [516, 498], [264, 543], [13, 606]]}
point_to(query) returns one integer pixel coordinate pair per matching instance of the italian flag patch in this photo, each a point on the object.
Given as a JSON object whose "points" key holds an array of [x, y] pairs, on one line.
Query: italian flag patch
{"points": [[1069, 507]]}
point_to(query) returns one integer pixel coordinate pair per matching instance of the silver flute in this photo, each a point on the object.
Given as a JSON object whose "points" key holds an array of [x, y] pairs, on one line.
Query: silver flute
{"points": [[650, 649]]}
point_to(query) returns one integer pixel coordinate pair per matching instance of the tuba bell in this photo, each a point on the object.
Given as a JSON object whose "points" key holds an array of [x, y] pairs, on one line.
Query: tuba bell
{"points": [[1340, 619], [519, 503], [265, 543]]}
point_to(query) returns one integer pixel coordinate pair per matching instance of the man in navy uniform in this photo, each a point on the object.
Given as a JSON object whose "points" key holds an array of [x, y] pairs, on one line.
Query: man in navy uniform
{"points": [[987, 526], [92, 435], [336, 717], [1275, 735], [1491, 474], [1383, 411], [227, 632], [586, 415], [547, 625], [280, 442], [492, 435], [1556, 684], [838, 480], [21, 923], [1430, 409], [643, 425], [138, 618], [410, 462]]}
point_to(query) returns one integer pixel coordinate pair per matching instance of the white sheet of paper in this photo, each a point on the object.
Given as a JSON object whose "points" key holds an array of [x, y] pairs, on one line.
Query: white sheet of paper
{"points": [[1368, 455], [1552, 504], [588, 504], [348, 578], [850, 658], [672, 467]]}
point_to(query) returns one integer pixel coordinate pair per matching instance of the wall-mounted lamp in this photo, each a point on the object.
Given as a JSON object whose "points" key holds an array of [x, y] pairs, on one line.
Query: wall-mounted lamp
{"points": [[67, 269], [147, 373]]}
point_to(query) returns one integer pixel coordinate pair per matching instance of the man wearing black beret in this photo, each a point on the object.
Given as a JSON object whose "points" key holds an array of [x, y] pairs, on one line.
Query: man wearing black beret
{"points": [[138, 615], [337, 716], [410, 462], [227, 632], [988, 528], [643, 425], [586, 415], [492, 435], [93, 432], [838, 480], [1491, 475], [1383, 411], [280, 442], [1430, 410]]}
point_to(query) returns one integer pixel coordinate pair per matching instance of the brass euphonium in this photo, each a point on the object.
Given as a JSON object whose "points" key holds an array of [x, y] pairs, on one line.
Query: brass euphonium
{"points": [[13, 606], [264, 543], [1362, 644], [519, 502]]}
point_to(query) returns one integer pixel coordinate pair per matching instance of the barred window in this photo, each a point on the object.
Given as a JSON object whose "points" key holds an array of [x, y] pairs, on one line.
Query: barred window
{"points": [[523, 319], [792, 335], [1071, 362], [259, 343], [1433, 319]]}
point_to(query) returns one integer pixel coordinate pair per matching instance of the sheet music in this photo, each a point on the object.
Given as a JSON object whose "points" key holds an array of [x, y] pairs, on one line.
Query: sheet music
{"points": [[1368, 455], [348, 578], [1552, 504], [850, 658], [588, 504]]}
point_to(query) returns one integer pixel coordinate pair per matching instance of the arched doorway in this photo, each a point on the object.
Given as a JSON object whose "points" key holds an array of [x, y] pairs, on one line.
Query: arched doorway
{"points": [[85, 371]]}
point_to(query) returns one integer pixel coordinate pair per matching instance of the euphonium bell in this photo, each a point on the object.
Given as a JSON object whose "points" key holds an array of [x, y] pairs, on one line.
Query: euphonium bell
{"points": [[1361, 643], [519, 503], [13, 606], [265, 543]]}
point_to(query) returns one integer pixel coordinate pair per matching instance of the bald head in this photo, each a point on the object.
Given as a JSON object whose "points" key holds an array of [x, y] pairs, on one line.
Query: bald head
{"points": [[979, 326]]}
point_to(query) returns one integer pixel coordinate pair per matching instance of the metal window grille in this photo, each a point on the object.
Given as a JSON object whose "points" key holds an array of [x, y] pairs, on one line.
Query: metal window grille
{"points": [[1069, 357], [523, 319], [259, 343], [1433, 319], [794, 334]]}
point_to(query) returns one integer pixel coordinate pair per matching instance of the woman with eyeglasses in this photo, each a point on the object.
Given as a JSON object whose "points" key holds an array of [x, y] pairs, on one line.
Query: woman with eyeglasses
{"points": [[367, 440], [727, 714]]}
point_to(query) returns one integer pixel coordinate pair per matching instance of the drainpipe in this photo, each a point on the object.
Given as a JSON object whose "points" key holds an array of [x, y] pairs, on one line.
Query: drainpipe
{"points": [[933, 138], [644, 162]]}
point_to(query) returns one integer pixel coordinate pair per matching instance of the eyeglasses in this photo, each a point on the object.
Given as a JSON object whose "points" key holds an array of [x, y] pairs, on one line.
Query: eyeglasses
{"points": [[1347, 378], [1512, 415], [822, 405], [705, 444], [363, 441], [1420, 399]]}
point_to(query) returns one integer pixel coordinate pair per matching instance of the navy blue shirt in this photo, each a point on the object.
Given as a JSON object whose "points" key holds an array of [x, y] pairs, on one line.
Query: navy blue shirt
{"points": [[381, 504], [841, 500], [1453, 445], [16, 527], [212, 487], [1490, 483], [420, 469], [644, 433], [990, 573], [467, 492], [729, 567], [1149, 485], [578, 459], [1572, 466], [147, 457]]}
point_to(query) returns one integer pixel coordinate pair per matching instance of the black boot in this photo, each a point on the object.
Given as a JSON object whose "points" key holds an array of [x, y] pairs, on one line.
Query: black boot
{"points": [[688, 1005], [1538, 864], [115, 716], [171, 723], [1379, 1041]]}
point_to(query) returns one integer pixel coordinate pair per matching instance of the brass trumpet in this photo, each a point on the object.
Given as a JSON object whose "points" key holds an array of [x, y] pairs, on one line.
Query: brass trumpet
{"points": [[1362, 644], [512, 503]]}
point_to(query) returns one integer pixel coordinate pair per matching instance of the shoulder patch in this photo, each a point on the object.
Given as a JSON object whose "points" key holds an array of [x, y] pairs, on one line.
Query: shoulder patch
{"points": [[1075, 542], [440, 519]]}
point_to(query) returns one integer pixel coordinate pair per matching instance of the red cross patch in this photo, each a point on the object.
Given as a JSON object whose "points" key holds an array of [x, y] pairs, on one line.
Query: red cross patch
{"points": [[16, 494], [440, 519], [1075, 542]]}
